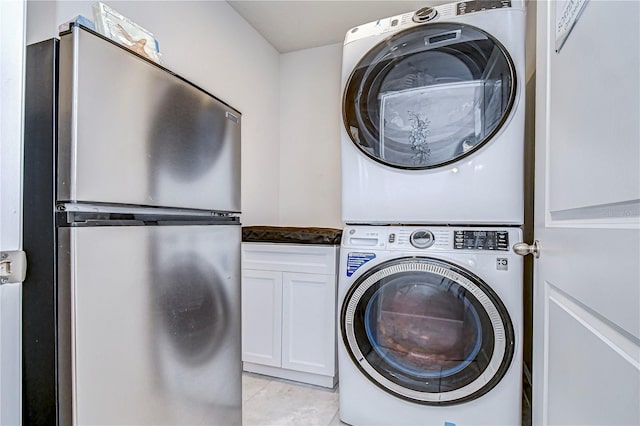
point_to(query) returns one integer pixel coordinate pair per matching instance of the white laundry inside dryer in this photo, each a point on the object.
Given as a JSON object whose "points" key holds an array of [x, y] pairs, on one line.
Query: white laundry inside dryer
{"points": [[435, 123]]}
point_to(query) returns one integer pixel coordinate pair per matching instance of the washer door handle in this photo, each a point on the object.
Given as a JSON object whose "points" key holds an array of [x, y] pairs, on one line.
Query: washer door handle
{"points": [[524, 249]]}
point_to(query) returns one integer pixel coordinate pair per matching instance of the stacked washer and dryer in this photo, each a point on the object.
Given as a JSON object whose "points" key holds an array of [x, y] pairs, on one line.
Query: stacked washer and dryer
{"points": [[430, 288]]}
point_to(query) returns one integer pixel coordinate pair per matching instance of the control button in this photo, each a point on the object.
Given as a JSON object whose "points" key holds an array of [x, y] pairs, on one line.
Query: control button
{"points": [[425, 14], [392, 238], [394, 22], [502, 240]]}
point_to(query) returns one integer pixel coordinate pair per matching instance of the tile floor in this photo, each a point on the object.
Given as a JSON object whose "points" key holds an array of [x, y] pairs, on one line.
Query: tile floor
{"points": [[268, 401]]}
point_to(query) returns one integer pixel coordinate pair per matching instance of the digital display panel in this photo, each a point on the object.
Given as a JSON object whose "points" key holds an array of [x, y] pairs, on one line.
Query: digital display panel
{"points": [[476, 6], [481, 240]]}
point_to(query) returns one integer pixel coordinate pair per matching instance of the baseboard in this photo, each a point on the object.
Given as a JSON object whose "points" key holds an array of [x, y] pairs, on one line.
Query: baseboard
{"points": [[297, 376]]}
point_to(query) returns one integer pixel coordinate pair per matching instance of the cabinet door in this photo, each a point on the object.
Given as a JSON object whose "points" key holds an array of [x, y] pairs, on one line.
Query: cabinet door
{"points": [[308, 322], [261, 317]]}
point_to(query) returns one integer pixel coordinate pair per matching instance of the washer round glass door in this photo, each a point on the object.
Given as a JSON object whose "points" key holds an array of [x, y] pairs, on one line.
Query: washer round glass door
{"points": [[429, 95], [427, 331]]}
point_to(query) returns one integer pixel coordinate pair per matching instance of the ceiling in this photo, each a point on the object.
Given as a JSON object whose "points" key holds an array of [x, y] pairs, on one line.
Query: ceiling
{"points": [[295, 25]]}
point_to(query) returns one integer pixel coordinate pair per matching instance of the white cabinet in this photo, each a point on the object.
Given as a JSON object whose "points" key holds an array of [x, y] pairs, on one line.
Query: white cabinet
{"points": [[289, 311]]}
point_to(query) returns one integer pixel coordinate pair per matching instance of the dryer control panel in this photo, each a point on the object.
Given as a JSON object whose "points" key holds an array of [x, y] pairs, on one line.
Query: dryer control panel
{"points": [[426, 15]]}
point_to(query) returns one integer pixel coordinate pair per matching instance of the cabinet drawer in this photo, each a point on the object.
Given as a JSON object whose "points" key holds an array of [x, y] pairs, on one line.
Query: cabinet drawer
{"points": [[314, 259]]}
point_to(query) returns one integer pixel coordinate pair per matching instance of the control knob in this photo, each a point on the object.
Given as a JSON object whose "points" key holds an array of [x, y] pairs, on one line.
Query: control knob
{"points": [[422, 239], [424, 15]]}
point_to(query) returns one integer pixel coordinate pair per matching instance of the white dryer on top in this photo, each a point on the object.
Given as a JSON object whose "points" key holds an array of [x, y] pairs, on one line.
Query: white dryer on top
{"points": [[433, 111]]}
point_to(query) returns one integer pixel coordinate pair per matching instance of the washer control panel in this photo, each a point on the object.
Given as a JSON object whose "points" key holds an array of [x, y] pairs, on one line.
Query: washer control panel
{"points": [[481, 240], [421, 238], [429, 239]]}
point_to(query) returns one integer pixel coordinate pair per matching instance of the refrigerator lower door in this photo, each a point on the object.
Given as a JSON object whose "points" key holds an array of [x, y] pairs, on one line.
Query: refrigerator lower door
{"points": [[154, 320]]}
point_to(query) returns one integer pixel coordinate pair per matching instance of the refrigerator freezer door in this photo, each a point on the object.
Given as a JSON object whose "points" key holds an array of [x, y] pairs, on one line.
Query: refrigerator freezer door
{"points": [[131, 132], [155, 323]]}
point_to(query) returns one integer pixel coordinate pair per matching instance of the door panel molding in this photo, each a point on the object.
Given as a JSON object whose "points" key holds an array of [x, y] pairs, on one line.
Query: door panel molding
{"points": [[624, 213], [586, 363], [591, 108], [620, 341]]}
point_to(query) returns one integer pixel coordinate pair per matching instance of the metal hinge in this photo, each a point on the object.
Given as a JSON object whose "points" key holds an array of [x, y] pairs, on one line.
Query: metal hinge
{"points": [[13, 266]]}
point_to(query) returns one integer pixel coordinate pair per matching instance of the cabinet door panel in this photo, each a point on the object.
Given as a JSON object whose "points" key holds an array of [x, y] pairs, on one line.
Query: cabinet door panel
{"points": [[261, 317], [308, 259], [308, 323]]}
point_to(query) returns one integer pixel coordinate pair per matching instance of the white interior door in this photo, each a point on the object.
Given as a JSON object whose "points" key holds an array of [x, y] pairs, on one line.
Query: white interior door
{"points": [[586, 347]]}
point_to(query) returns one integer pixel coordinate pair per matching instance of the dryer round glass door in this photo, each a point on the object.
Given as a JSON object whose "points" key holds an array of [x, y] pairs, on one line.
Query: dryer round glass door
{"points": [[429, 95], [427, 331]]}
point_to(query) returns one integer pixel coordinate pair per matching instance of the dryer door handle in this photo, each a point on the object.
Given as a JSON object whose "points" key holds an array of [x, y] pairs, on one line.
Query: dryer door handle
{"points": [[524, 249]]}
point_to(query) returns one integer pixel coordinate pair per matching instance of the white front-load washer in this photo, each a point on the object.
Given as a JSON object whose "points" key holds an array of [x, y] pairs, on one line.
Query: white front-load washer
{"points": [[433, 116], [431, 326]]}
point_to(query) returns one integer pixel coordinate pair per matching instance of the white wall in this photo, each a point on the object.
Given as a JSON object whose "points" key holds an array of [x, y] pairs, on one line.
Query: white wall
{"points": [[208, 43], [310, 118], [12, 26]]}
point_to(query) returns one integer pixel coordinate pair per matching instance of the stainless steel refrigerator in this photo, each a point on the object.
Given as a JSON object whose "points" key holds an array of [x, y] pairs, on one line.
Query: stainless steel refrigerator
{"points": [[131, 306]]}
